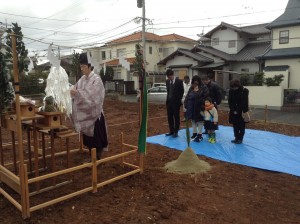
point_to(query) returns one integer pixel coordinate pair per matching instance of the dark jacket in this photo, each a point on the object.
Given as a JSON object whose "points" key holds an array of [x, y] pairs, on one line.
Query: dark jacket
{"points": [[194, 103], [215, 92], [177, 92], [238, 101]]}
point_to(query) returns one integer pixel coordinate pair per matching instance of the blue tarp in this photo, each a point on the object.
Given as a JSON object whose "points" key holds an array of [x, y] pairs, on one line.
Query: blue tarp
{"points": [[260, 149]]}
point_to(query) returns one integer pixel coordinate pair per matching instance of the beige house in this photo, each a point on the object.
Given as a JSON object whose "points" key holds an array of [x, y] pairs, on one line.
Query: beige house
{"points": [[120, 54], [284, 55]]}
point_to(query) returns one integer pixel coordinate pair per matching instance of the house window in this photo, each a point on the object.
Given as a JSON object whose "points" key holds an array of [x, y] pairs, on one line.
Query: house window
{"points": [[103, 54], [231, 44], [160, 50], [150, 50], [109, 54], [215, 41], [121, 52], [168, 51], [284, 37], [245, 70]]}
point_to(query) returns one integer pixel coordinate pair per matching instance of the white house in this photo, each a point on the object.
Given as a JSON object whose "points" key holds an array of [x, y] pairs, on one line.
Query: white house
{"points": [[284, 55], [157, 47]]}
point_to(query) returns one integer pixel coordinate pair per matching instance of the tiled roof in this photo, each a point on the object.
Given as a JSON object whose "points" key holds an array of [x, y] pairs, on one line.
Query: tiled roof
{"points": [[212, 51], [276, 68], [181, 51], [256, 29], [116, 62], [175, 37], [289, 17], [150, 37], [251, 51], [281, 53]]}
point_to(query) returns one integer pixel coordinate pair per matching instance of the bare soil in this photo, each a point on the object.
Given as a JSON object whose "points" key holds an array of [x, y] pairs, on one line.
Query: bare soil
{"points": [[227, 193]]}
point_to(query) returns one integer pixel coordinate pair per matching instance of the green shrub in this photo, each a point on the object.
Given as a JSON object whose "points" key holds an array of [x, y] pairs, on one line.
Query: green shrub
{"points": [[258, 79]]}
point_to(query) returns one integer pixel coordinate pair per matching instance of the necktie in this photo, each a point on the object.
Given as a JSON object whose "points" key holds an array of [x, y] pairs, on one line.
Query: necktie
{"points": [[171, 89]]}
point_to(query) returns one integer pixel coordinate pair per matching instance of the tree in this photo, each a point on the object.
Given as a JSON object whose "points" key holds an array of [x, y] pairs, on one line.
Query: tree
{"points": [[75, 67], [139, 62], [22, 52], [109, 74], [6, 90]]}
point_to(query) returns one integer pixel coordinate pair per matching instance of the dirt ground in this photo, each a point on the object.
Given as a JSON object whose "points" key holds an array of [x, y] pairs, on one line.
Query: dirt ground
{"points": [[228, 193]]}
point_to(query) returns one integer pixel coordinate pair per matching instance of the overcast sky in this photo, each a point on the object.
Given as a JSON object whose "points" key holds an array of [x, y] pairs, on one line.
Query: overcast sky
{"points": [[81, 23]]}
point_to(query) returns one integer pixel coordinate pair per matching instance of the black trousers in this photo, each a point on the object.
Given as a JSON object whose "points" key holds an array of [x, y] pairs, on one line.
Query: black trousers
{"points": [[239, 127], [173, 113], [99, 140]]}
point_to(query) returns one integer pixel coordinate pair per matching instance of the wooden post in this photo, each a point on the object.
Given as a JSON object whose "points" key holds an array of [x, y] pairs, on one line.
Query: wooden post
{"points": [[80, 143], [52, 155], [26, 192], [266, 113], [14, 151], [29, 147], [94, 170], [1, 148]]}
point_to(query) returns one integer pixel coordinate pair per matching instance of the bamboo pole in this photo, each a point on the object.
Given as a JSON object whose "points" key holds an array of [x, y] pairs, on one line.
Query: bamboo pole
{"points": [[27, 205], [36, 154], [11, 199], [63, 198], [14, 151], [1, 146], [94, 171], [50, 188], [17, 99], [122, 148], [10, 174]]}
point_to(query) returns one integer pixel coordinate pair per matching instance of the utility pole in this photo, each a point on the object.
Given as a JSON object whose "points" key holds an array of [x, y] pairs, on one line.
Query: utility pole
{"points": [[143, 34], [141, 4]]}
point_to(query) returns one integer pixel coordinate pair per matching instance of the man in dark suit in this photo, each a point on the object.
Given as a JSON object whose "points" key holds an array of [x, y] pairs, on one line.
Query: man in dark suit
{"points": [[174, 95]]}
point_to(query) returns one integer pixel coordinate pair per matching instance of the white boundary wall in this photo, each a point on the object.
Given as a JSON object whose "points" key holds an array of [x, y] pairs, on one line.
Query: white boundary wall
{"points": [[260, 96]]}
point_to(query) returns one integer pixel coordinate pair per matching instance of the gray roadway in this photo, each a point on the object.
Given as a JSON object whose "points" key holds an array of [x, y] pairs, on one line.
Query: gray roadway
{"points": [[275, 116]]}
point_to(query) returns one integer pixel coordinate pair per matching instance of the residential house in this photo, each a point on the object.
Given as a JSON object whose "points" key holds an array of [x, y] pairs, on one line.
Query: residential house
{"points": [[226, 51], [284, 55], [120, 54]]}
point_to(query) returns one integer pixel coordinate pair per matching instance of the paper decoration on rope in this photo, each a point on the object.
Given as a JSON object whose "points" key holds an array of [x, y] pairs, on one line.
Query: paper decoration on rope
{"points": [[58, 87], [54, 61], [30, 66], [58, 84]]}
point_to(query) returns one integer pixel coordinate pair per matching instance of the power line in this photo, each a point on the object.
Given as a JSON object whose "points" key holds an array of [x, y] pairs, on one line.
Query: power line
{"points": [[33, 17]]}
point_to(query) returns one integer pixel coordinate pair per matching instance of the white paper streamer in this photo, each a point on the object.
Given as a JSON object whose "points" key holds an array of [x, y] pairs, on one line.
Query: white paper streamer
{"points": [[58, 87]]}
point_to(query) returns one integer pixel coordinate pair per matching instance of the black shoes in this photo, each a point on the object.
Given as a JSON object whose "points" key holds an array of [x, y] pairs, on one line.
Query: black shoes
{"points": [[169, 134], [199, 138], [193, 136], [237, 141], [173, 134]]}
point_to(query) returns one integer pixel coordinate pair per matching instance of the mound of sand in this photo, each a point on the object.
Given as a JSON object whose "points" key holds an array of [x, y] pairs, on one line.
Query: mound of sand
{"points": [[187, 163]]}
